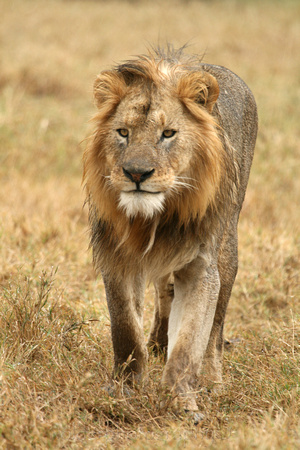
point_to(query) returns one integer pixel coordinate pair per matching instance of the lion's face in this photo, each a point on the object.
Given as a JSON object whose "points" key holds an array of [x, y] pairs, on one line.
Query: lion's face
{"points": [[151, 145], [156, 149]]}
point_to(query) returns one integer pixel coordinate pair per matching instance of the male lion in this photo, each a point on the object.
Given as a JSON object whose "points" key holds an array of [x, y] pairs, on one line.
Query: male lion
{"points": [[166, 172]]}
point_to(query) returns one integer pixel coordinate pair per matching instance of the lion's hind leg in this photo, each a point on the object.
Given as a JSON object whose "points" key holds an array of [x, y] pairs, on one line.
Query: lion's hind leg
{"points": [[227, 266], [164, 294]]}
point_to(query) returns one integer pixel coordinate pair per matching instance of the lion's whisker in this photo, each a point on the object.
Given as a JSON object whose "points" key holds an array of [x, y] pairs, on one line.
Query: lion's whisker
{"points": [[183, 184]]}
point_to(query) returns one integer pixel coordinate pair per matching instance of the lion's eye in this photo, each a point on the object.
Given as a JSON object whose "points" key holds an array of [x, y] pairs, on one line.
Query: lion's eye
{"points": [[168, 133], [123, 132]]}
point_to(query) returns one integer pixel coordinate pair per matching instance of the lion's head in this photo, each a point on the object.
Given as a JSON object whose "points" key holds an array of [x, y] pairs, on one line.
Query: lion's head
{"points": [[156, 148]]}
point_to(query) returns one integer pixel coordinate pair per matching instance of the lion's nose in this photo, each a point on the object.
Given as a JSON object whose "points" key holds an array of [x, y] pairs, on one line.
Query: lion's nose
{"points": [[137, 175]]}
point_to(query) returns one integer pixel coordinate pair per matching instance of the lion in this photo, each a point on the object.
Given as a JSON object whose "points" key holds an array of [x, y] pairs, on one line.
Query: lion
{"points": [[165, 171]]}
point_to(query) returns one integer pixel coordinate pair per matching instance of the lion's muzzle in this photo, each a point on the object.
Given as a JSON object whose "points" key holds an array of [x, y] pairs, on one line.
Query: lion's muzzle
{"points": [[137, 174]]}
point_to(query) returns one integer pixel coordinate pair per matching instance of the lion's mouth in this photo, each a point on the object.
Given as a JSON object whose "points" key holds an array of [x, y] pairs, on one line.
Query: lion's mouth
{"points": [[142, 191]]}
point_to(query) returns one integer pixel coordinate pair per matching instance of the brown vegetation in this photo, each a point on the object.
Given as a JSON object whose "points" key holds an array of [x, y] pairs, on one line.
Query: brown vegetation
{"points": [[56, 354]]}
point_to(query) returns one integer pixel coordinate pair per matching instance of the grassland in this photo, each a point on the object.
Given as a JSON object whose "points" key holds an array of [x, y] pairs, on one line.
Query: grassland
{"points": [[55, 349]]}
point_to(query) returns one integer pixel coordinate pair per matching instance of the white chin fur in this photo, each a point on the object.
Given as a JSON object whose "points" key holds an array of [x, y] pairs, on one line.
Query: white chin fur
{"points": [[146, 204]]}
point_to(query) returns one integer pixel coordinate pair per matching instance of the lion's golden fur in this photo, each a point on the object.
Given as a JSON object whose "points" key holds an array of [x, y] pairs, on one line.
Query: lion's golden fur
{"points": [[190, 208]]}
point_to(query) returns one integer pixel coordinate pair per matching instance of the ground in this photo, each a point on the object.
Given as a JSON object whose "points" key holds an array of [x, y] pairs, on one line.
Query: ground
{"points": [[56, 354]]}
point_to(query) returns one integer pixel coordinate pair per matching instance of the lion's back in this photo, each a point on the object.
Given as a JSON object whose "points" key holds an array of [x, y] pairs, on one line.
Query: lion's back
{"points": [[237, 114]]}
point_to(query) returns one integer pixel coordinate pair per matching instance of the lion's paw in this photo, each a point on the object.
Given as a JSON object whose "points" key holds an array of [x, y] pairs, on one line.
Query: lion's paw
{"points": [[196, 416]]}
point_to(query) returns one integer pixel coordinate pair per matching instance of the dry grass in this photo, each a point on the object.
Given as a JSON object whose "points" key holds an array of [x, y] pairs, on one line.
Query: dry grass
{"points": [[56, 354]]}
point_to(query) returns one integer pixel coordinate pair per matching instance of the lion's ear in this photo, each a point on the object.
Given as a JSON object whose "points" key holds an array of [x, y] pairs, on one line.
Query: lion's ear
{"points": [[109, 89], [199, 87]]}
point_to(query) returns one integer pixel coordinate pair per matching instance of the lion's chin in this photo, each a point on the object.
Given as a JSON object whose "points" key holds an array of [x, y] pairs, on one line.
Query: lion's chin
{"points": [[143, 203]]}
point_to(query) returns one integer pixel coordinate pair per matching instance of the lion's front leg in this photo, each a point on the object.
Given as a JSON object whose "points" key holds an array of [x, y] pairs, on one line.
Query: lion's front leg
{"points": [[125, 304], [192, 314]]}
